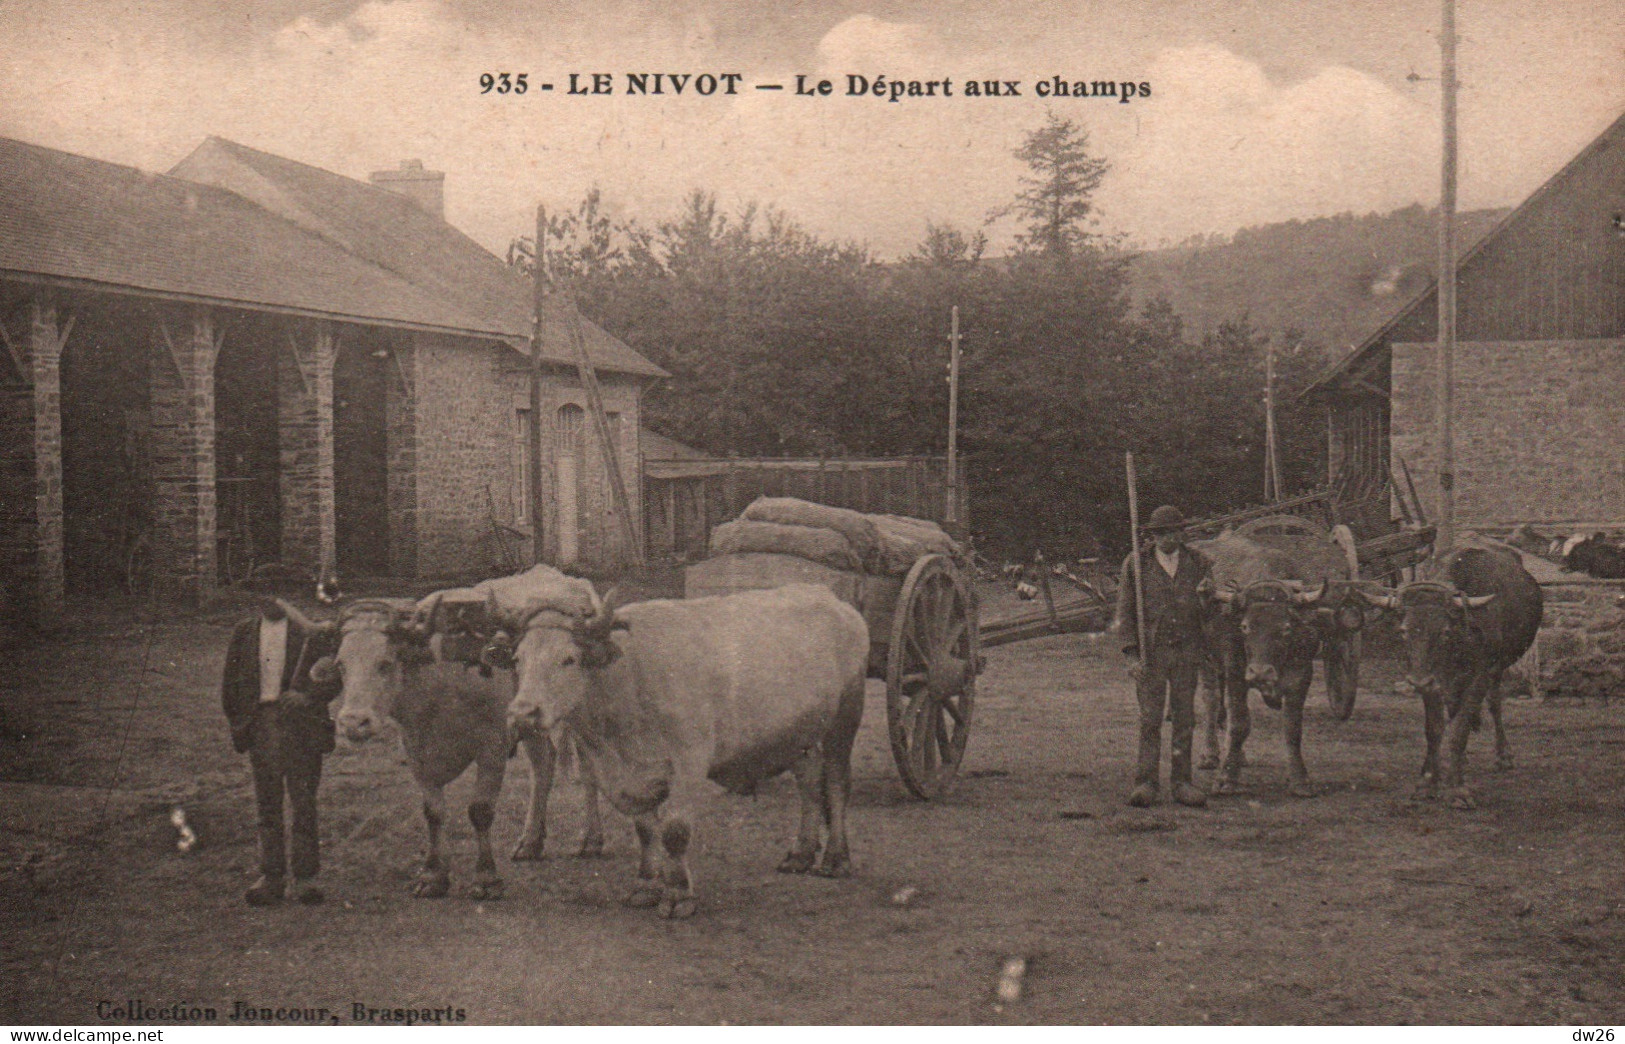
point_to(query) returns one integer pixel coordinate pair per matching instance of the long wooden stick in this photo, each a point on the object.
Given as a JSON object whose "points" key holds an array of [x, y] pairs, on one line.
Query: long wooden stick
{"points": [[606, 440], [1134, 557], [533, 436]]}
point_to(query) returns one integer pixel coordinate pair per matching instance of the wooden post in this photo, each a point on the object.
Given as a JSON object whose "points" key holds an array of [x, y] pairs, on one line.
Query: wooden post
{"points": [[1134, 557], [533, 443], [951, 516], [611, 453], [1272, 460], [1444, 383]]}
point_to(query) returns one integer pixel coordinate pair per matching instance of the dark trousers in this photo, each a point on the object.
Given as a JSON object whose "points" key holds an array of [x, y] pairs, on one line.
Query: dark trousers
{"points": [[287, 762], [1168, 679]]}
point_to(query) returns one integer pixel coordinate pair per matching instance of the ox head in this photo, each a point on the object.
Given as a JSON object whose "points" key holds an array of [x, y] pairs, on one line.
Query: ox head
{"points": [[556, 654], [380, 641], [1276, 618], [1434, 622]]}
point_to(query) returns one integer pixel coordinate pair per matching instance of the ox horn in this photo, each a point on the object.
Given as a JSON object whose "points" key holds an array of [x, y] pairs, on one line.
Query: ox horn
{"points": [[303, 621], [1467, 601], [1309, 597], [1227, 595], [602, 620], [1387, 599]]}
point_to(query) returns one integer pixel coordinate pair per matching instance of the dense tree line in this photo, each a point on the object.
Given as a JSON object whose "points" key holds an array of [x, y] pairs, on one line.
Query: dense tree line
{"points": [[782, 344]]}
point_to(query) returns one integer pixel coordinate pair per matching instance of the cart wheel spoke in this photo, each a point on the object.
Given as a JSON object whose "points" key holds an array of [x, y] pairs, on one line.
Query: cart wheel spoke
{"points": [[930, 682]]}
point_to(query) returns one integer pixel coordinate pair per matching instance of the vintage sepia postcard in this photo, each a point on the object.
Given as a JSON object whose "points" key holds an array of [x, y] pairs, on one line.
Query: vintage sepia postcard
{"points": [[863, 512]]}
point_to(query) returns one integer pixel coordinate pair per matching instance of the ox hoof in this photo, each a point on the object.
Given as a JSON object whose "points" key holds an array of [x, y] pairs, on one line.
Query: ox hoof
{"points": [[1462, 798], [1208, 763], [1427, 790], [1226, 788], [838, 867], [1503, 762], [432, 885], [1302, 788], [492, 889], [797, 862], [591, 848], [678, 907], [644, 895], [529, 850]]}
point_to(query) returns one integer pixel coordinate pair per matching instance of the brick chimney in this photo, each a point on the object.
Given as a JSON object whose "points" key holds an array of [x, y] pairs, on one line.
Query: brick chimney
{"points": [[426, 188]]}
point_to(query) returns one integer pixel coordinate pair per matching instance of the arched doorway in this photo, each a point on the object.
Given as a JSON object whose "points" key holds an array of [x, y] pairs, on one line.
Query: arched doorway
{"points": [[567, 465]]}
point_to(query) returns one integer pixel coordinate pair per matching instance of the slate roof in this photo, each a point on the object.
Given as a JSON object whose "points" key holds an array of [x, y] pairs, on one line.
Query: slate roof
{"points": [[363, 254]]}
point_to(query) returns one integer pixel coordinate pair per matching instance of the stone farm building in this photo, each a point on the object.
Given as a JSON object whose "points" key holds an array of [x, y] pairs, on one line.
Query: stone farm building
{"points": [[1538, 422], [1539, 429], [248, 352]]}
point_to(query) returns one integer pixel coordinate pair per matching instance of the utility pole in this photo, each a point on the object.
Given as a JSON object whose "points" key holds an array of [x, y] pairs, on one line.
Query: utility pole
{"points": [[951, 516], [1272, 460], [533, 441], [1444, 377]]}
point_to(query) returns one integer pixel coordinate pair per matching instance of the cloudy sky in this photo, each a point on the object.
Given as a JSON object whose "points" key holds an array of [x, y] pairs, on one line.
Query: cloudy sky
{"points": [[1261, 110]]}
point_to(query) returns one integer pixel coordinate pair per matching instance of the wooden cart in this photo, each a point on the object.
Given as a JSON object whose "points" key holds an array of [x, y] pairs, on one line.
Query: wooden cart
{"points": [[925, 644]]}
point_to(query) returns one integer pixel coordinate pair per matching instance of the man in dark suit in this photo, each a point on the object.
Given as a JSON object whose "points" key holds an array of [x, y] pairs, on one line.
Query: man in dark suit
{"points": [[278, 715], [1169, 655]]}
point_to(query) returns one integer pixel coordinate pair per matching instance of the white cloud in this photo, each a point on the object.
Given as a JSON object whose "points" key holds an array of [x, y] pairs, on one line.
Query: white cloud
{"points": [[1222, 147], [1218, 145]]}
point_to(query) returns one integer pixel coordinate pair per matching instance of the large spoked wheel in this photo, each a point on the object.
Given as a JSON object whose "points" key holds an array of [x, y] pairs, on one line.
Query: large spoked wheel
{"points": [[1343, 678], [931, 675]]}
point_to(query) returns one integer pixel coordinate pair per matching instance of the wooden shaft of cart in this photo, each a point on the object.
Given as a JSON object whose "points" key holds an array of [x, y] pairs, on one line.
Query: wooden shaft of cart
{"points": [[1134, 557]]}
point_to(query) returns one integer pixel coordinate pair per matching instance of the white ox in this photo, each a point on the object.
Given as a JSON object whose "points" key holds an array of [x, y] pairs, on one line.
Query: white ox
{"points": [[661, 696]]}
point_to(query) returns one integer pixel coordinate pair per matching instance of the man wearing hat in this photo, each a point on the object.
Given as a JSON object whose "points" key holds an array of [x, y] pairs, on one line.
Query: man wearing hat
{"points": [[1168, 655], [278, 717]]}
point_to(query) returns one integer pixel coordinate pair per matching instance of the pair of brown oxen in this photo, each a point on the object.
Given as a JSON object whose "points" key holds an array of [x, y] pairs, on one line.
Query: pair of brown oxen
{"points": [[1463, 627], [660, 700]]}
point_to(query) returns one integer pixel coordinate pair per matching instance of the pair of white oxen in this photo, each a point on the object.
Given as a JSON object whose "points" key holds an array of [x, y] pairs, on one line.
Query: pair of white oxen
{"points": [[656, 698]]}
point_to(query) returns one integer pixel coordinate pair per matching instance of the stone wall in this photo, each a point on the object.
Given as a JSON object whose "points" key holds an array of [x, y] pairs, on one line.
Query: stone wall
{"points": [[1537, 430], [469, 396], [1581, 648]]}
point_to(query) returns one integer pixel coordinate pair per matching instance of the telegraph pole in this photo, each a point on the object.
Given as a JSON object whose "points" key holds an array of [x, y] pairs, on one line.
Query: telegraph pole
{"points": [[1272, 460], [1444, 377], [951, 516]]}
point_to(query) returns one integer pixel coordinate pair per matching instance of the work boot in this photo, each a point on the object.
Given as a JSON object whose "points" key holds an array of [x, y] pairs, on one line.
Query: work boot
{"points": [[1143, 796], [267, 891], [306, 892], [1189, 795]]}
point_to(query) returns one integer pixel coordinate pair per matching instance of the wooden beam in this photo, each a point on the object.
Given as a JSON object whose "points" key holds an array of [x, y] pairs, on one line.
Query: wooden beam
{"points": [[1366, 385], [181, 371], [16, 356], [611, 454], [307, 380]]}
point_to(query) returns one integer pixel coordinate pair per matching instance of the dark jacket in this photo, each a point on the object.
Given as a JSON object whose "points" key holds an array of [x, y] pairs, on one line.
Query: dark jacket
{"points": [[240, 688], [1174, 605]]}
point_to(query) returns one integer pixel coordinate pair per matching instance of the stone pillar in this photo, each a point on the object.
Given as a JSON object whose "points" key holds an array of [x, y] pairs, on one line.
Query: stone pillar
{"points": [[182, 382], [400, 422], [305, 437], [45, 373]]}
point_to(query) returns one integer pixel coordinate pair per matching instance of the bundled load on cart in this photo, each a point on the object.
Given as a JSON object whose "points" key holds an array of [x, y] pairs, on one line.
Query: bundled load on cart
{"points": [[908, 579]]}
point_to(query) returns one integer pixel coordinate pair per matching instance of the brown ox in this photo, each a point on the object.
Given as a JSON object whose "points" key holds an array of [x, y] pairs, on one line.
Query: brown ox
{"points": [[1477, 614], [663, 695], [452, 713]]}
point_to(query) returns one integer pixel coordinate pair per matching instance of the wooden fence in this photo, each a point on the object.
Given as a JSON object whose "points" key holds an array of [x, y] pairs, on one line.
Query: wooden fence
{"points": [[684, 499]]}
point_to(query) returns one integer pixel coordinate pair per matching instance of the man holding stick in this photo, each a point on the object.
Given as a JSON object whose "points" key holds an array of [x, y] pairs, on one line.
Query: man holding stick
{"points": [[1167, 646]]}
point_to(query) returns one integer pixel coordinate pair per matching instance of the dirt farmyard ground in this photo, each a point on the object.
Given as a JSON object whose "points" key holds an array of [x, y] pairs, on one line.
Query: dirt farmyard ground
{"points": [[1352, 907]]}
